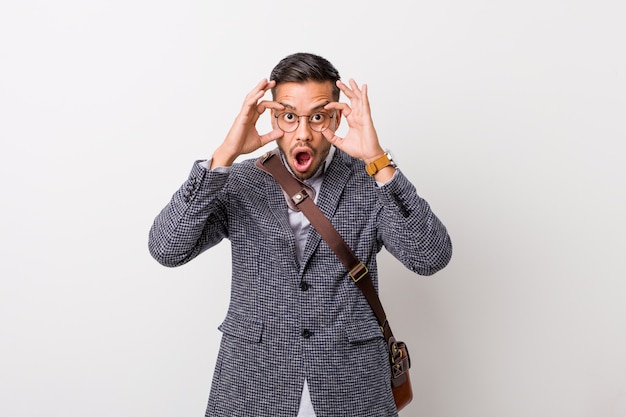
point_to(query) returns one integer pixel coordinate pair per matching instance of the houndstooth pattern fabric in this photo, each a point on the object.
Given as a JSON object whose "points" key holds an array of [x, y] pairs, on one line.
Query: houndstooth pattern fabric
{"points": [[288, 321]]}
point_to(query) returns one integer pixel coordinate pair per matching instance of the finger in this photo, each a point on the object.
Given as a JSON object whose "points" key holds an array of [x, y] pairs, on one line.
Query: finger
{"points": [[328, 134], [345, 90], [268, 104], [251, 101], [336, 105], [364, 97], [354, 93], [264, 85], [332, 137], [259, 91], [271, 136], [259, 88], [355, 87]]}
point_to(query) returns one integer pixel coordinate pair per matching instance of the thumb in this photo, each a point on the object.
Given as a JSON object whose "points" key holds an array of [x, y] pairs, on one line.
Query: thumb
{"points": [[271, 136], [333, 138]]}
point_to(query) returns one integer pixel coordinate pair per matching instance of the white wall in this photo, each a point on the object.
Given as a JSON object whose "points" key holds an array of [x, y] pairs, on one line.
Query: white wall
{"points": [[508, 117]]}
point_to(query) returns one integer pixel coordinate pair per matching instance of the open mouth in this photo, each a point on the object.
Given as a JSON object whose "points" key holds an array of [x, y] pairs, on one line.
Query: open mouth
{"points": [[303, 160]]}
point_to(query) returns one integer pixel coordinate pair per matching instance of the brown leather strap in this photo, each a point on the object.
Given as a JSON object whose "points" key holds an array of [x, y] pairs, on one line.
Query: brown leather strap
{"points": [[296, 190]]}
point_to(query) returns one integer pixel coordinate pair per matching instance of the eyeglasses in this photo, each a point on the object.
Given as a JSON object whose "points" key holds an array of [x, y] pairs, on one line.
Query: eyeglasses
{"points": [[318, 122]]}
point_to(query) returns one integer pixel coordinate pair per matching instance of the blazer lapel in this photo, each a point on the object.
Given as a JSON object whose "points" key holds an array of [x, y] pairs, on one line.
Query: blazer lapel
{"points": [[278, 207], [335, 179]]}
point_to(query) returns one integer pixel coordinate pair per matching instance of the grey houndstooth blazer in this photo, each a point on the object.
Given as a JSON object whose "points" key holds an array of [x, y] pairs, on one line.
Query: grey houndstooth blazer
{"points": [[288, 321]]}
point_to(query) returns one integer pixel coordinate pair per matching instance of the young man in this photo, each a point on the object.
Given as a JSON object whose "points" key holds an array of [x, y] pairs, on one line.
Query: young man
{"points": [[299, 338]]}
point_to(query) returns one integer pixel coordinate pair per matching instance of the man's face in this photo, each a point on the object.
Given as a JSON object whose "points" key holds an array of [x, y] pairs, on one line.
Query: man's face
{"points": [[305, 149]]}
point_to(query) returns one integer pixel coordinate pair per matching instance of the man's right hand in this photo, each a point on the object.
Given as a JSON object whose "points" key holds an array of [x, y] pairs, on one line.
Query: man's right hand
{"points": [[243, 137]]}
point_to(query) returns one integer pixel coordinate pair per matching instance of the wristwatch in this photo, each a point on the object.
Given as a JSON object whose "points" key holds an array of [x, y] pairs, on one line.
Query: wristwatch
{"points": [[379, 163]]}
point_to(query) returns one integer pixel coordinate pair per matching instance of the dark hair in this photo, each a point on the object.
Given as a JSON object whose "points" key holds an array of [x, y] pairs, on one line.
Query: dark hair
{"points": [[301, 67]]}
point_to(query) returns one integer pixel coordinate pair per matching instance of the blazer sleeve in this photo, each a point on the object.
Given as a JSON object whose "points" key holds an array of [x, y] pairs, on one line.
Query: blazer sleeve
{"points": [[409, 229], [193, 221]]}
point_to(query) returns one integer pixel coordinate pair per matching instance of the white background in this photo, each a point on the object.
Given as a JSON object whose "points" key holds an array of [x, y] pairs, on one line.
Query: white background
{"points": [[509, 117]]}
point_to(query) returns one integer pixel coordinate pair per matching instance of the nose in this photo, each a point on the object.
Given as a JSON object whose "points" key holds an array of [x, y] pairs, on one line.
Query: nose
{"points": [[303, 131]]}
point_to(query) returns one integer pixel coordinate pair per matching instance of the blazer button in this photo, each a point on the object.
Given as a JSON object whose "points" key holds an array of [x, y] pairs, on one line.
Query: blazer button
{"points": [[304, 286], [306, 333]]}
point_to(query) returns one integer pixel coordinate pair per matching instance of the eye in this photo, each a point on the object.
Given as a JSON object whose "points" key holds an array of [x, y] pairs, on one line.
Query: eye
{"points": [[318, 117], [289, 117]]}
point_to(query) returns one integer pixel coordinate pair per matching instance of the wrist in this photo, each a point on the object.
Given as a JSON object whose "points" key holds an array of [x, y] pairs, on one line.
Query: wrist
{"points": [[374, 156], [385, 175], [380, 163], [221, 158]]}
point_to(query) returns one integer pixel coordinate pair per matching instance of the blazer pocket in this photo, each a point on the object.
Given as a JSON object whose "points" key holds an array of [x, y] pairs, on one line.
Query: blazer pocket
{"points": [[242, 327], [363, 331]]}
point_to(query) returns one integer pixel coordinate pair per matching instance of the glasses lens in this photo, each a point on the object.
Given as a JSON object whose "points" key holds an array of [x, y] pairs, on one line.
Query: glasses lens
{"points": [[287, 122], [318, 122]]}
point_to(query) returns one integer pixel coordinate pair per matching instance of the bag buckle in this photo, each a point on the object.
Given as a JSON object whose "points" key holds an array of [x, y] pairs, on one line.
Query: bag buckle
{"points": [[358, 272], [399, 358]]}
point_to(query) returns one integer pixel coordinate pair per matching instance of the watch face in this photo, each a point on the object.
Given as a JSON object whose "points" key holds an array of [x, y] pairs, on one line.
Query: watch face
{"points": [[391, 157]]}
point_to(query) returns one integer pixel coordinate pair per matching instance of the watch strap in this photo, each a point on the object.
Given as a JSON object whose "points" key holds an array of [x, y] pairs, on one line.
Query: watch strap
{"points": [[377, 164]]}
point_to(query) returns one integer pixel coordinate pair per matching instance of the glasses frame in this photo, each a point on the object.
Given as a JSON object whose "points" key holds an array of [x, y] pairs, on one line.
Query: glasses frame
{"points": [[308, 120]]}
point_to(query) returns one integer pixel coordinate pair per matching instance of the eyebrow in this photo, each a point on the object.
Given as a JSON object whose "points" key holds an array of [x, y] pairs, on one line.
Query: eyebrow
{"points": [[290, 107]]}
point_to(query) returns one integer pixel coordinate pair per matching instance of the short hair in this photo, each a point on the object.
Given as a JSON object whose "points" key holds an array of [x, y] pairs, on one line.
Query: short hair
{"points": [[302, 67]]}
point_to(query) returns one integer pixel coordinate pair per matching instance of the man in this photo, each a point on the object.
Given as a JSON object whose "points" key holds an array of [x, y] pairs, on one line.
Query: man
{"points": [[299, 338]]}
